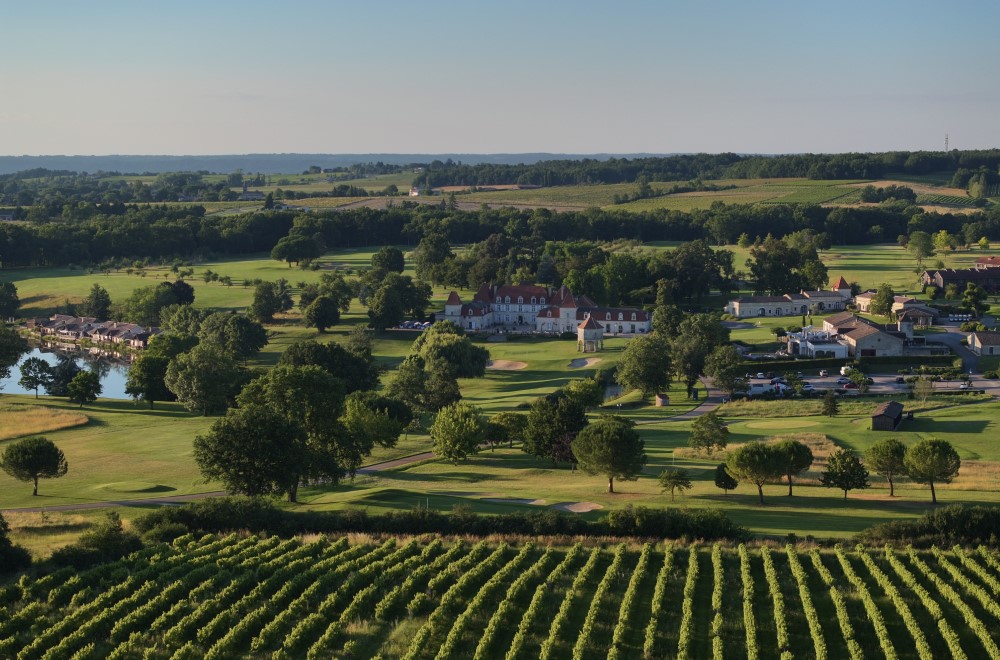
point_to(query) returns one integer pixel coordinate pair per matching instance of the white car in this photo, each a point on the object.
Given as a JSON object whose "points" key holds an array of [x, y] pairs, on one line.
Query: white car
{"points": [[760, 374]]}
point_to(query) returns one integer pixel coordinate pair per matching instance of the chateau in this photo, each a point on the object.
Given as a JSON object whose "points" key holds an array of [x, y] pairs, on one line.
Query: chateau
{"points": [[530, 308]]}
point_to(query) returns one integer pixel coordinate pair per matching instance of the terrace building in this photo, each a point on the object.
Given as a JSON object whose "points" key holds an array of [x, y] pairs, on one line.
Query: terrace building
{"points": [[792, 304], [75, 328]]}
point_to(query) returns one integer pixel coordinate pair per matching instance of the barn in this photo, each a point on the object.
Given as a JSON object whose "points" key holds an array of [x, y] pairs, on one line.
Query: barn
{"points": [[887, 416]]}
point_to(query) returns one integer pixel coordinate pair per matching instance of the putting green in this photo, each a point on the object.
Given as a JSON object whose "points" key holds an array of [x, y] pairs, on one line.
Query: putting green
{"points": [[782, 424]]}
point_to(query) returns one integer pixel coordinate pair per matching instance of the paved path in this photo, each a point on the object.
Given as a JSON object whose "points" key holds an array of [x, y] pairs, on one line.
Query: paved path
{"points": [[175, 500], [713, 399]]}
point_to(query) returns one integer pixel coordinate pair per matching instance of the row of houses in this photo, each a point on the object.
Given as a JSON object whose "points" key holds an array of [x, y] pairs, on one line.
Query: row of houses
{"points": [[75, 328], [984, 273], [792, 304]]}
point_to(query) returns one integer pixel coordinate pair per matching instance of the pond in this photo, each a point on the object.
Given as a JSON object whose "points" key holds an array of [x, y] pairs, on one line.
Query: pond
{"points": [[113, 374]]}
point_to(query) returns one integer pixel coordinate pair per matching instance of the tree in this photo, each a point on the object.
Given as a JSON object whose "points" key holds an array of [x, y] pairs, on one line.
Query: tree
{"points": [[724, 480], [182, 319], [943, 241], [724, 365], [252, 451], [860, 379], [920, 245], [35, 373], [885, 457], [923, 388], [9, 302], [708, 433], [611, 447], [32, 459], [385, 308], [12, 347], [845, 471], [97, 303], [512, 424], [204, 378], [587, 391], [65, 371], [882, 300], [355, 367], [984, 243], [389, 259], [144, 305], [366, 425], [974, 299], [295, 248], [457, 431], [146, 379], [239, 335], [322, 313], [553, 422], [410, 383], [84, 388], [795, 458], [932, 461], [672, 479], [447, 342], [756, 463], [269, 298], [645, 365], [830, 404], [441, 388]]}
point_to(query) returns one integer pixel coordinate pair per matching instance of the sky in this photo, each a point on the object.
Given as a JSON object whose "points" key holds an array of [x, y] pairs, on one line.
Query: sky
{"points": [[478, 76]]}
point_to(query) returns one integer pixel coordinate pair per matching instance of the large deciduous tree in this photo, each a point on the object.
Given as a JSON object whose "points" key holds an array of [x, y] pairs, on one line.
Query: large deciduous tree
{"points": [[84, 388], [147, 379], [708, 433], [269, 298], [239, 335], [322, 313], [845, 471], [35, 373], [389, 259], [295, 248], [645, 364], [885, 457], [97, 303], [9, 302], [610, 447], [253, 450], [457, 431], [12, 347], [32, 459], [553, 422], [724, 365], [354, 366], [881, 302], [932, 461], [204, 379]]}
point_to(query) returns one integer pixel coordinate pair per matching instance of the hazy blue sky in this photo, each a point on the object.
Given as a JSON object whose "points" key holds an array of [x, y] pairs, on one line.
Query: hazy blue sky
{"points": [[482, 77]]}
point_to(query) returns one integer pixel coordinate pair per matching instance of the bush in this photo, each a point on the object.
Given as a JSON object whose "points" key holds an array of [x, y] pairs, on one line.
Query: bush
{"points": [[164, 532], [107, 541], [12, 557], [990, 375], [259, 515], [944, 527]]}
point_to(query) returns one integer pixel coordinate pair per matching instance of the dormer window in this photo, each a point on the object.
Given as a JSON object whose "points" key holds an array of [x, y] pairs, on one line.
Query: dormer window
{"points": [[534, 301], [549, 313], [470, 312], [633, 316], [620, 316], [520, 299], [498, 298], [507, 299], [542, 300], [608, 316]]}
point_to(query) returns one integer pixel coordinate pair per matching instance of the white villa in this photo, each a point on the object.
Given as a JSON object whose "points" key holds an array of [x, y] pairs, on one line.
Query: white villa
{"points": [[531, 308], [792, 304]]}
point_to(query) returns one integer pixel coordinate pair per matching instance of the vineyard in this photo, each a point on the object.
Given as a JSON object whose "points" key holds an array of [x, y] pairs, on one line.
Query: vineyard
{"points": [[234, 596]]}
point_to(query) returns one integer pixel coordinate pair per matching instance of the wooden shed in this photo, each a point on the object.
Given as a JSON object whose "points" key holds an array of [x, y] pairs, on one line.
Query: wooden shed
{"points": [[887, 416]]}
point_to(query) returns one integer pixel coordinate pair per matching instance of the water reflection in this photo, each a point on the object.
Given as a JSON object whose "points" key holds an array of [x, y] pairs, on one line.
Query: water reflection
{"points": [[113, 374]]}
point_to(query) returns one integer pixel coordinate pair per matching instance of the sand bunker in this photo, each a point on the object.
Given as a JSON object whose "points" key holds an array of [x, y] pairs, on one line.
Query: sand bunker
{"points": [[577, 507], [506, 365], [513, 500], [580, 363]]}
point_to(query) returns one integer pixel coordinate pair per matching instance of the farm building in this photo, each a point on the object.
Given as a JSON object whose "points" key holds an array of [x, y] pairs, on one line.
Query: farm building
{"points": [[985, 343], [887, 416]]}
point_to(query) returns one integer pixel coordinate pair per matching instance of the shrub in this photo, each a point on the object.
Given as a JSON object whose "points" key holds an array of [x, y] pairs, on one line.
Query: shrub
{"points": [[107, 541], [944, 527]]}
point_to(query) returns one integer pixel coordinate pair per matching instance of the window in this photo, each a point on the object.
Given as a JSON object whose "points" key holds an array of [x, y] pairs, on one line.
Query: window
{"points": [[520, 299], [633, 316], [534, 301], [608, 316], [470, 312], [507, 299], [549, 313], [621, 316], [542, 300], [498, 298]]}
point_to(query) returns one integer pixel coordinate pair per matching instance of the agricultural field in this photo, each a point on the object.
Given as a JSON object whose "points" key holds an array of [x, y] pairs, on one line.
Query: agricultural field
{"points": [[232, 596]]}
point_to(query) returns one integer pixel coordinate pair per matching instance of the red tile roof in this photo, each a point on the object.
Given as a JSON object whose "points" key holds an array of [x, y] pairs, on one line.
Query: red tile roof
{"points": [[841, 284], [453, 299]]}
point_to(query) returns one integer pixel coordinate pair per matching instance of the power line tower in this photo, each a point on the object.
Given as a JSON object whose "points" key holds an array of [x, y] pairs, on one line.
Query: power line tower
{"points": [[946, 142]]}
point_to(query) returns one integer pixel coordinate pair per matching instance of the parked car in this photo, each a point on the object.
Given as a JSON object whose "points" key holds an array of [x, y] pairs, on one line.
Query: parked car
{"points": [[779, 379], [807, 387], [760, 374], [900, 379], [842, 380], [823, 373], [851, 386], [963, 386]]}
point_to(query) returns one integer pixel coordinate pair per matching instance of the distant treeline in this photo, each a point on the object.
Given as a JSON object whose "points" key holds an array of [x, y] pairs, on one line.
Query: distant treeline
{"points": [[88, 234], [712, 166]]}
